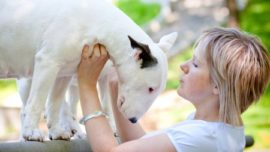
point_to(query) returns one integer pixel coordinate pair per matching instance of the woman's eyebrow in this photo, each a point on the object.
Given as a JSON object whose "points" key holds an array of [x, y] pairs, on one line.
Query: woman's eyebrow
{"points": [[197, 59]]}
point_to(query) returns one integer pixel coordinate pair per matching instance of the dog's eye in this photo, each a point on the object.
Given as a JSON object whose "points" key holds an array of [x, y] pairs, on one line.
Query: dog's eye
{"points": [[150, 89]]}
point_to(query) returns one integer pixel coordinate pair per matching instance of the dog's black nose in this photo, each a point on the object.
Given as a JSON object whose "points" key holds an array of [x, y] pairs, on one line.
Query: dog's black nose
{"points": [[133, 120]]}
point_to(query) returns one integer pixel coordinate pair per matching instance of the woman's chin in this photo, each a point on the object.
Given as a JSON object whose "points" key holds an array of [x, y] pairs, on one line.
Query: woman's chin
{"points": [[180, 91]]}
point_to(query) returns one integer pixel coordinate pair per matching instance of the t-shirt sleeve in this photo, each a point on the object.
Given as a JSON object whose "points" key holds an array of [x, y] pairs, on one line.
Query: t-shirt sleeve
{"points": [[191, 139]]}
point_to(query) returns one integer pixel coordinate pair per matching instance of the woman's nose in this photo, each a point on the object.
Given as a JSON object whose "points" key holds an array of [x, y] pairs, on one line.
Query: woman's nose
{"points": [[184, 67]]}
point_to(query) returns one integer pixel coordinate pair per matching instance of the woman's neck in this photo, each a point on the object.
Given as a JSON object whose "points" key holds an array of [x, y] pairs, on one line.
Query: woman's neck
{"points": [[207, 111], [211, 116]]}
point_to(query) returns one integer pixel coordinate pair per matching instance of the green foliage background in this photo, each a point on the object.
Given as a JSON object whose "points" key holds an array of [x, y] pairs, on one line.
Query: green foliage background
{"points": [[140, 12], [255, 19]]}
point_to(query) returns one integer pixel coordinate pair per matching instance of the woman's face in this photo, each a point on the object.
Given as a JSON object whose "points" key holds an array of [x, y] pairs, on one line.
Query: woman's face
{"points": [[195, 84]]}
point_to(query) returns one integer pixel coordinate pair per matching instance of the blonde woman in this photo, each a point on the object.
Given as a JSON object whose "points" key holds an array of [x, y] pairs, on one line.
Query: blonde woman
{"points": [[227, 73]]}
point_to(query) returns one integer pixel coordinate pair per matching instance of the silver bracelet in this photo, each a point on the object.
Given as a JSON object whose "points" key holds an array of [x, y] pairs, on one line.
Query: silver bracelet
{"points": [[92, 115]]}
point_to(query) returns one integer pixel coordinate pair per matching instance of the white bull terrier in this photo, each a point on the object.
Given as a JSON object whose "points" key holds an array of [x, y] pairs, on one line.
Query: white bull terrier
{"points": [[43, 40]]}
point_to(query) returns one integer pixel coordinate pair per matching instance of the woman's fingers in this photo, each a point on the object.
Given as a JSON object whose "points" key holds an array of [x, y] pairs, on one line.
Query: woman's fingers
{"points": [[85, 52], [96, 51], [99, 50], [103, 51]]}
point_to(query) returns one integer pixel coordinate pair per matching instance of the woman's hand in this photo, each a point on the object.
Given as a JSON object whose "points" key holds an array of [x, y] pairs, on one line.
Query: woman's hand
{"points": [[91, 65]]}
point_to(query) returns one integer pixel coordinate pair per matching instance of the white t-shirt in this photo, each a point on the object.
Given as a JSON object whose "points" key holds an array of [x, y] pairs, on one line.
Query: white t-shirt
{"points": [[202, 136]]}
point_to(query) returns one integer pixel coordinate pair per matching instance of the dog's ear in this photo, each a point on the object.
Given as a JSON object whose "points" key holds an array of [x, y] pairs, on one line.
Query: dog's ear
{"points": [[167, 41], [142, 53]]}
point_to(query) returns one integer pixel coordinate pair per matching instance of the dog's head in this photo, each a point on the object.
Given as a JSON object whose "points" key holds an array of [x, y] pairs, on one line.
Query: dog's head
{"points": [[143, 76]]}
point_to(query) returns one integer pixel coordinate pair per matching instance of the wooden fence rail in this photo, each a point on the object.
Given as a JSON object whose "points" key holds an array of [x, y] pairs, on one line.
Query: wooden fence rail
{"points": [[77, 145]]}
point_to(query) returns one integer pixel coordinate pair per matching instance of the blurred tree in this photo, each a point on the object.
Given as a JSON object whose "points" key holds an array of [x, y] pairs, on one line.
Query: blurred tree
{"points": [[233, 13]]}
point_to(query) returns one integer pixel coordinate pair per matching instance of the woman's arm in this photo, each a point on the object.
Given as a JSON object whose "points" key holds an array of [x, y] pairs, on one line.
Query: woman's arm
{"points": [[123, 125], [97, 129]]}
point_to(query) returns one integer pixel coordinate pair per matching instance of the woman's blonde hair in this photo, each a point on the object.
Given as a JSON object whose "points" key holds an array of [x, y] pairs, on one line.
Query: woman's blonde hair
{"points": [[239, 67]]}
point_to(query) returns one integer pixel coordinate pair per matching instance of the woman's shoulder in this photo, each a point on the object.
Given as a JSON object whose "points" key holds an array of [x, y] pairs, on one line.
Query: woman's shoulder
{"points": [[211, 136], [192, 135], [205, 129], [192, 128], [201, 125]]}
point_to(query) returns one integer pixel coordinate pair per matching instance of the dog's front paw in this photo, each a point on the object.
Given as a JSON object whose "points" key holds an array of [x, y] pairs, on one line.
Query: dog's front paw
{"points": [[76, 130], [79, 135], [70, 124], [32, 135], [58, 133]]}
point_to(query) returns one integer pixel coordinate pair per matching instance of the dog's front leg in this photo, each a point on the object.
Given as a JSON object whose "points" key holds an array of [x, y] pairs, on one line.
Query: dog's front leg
{"points": [[45, 73], [68, 115], [73, 96]]}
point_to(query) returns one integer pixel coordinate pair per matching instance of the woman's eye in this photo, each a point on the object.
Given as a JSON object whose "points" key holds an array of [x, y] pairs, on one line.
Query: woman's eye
{"points": [[150, 90], [195, 65]]}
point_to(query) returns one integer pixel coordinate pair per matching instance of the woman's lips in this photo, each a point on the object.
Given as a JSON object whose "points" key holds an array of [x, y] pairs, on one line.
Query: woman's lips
{"points": [[181, 81]]}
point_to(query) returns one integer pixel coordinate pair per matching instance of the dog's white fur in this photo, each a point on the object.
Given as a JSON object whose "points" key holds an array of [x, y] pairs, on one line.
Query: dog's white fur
{"points": [[43, 39], [61, 112]]}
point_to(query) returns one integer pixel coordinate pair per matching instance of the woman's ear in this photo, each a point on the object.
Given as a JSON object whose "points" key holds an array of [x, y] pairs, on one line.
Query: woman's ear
{"points": [[215, 90]]}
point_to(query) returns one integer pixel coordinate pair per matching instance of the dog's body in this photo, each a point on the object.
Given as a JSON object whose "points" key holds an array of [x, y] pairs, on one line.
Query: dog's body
{"points": [[43, 40]]}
